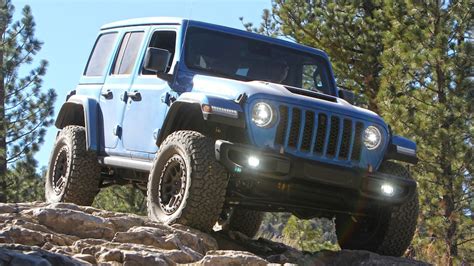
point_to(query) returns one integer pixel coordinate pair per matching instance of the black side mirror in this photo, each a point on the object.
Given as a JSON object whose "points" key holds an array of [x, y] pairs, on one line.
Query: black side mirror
{"points": [[347, 95], [157, 60]]}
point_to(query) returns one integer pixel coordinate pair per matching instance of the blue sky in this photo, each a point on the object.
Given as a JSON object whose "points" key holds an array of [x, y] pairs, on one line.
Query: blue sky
{"points": [[69, 28]]}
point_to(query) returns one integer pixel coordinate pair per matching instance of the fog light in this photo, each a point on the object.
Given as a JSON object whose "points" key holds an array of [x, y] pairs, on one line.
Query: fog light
{"points": [[387, 189], [253, 161]]}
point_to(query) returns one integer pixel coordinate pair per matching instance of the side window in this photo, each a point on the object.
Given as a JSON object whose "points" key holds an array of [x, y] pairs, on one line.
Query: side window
{"points": [[164, 40], [127, 53], [100, 54]]}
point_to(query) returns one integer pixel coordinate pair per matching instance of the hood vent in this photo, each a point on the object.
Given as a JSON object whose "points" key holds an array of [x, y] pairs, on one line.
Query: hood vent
{"points": [[312, 94]]}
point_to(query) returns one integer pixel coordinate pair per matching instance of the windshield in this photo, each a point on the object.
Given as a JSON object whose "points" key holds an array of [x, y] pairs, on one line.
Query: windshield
{"points": [[236, 57]]}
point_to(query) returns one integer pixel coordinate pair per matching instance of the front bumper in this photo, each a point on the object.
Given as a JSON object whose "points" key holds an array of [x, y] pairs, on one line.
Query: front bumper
{"points": [[287, 168]]}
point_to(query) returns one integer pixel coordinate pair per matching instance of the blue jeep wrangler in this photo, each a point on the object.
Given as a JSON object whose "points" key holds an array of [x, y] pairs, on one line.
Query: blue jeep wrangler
{"points": [[216, 124]]}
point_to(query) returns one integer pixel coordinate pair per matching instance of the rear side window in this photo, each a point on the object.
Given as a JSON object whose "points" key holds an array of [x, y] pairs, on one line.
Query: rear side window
{"points": [[101, 54], [128, 53]]}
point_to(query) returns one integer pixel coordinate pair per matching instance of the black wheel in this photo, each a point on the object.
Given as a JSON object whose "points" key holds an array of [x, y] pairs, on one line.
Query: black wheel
{"points": [[245, 221], [186, 184], [73, 173], [389, 231]]}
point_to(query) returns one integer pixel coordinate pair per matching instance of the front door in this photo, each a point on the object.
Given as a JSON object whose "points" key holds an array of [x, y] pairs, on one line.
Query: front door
{"points": [[144, 117]]}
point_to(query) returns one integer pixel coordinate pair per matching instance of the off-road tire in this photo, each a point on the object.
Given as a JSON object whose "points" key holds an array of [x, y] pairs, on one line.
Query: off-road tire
{"points": [[392, 228], [245, 221], [206, 181], [80, 167]]}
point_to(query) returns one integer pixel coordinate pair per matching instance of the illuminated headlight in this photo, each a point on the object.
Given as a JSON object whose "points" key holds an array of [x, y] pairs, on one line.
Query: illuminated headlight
{"points": [[372, 137], [262, 114]]}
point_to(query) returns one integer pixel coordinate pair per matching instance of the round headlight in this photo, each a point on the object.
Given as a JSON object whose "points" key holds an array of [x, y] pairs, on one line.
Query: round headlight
{"points": [[262, 114], [372, 137]]}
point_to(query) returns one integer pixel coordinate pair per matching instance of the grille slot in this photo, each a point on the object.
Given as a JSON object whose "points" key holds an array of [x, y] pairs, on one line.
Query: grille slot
{"points": [[357, 142], [319, 134], [282, 126], [295, 128], [346, 139], [308, 131], [333, 137]]}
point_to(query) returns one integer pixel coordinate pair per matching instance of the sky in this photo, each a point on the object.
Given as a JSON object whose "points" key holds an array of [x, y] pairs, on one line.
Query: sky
{"points": [[69, 29]]}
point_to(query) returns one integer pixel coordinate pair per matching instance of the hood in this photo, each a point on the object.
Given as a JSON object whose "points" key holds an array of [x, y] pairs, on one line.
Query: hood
{"points": [[231, 89]]}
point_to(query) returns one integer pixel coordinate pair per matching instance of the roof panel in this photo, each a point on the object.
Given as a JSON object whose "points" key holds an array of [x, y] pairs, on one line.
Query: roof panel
{"points": [[143, 21]]}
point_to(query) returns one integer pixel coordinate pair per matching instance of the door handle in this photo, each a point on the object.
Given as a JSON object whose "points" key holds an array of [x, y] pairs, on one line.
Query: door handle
{"points": [[135, 96], [107, 94]]}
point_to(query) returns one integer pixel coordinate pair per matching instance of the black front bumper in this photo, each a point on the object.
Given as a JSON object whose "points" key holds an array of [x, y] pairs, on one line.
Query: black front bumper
{"points": [[287, 168]]}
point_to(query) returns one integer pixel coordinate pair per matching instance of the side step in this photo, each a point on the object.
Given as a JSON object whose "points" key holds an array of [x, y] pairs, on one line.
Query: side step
{"points": [[121, 162]]}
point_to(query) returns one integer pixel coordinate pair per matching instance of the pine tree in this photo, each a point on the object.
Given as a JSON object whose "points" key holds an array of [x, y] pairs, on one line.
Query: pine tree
{"points": [[429, 97], [351, 32], [25, 111], [413, 62], [121, 198]]}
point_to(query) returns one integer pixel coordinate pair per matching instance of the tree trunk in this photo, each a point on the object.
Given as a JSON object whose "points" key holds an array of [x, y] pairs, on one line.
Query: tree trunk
{"points": [[3, 147], [447, 174]]}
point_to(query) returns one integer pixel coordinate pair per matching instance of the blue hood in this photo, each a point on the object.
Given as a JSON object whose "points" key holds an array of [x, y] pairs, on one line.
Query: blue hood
{"points": [[230, 89]]}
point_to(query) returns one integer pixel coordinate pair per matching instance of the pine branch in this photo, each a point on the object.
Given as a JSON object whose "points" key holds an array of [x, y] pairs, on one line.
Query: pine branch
{"points": [[33, 79], [27, 133], [25, 99], [12, 123], [463, 200], [14, 35], [465, 241], [25, 148]]}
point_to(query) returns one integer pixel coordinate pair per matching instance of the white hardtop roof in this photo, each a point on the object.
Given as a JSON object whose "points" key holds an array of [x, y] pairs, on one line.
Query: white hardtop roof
{"points": [[143, 21]]}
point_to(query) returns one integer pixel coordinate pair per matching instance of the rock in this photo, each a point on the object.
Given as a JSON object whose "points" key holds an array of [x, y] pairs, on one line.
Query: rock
{"points": [[231, 257], [123, 223], [148, 236], [73, 222], [15, 254], [353, 257], [66, 234], [85, 257], [111, 255]]}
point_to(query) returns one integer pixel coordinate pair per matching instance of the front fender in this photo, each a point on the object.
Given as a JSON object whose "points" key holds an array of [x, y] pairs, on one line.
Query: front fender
{"points": [[402, 149], [217, 109], [82, 111]]}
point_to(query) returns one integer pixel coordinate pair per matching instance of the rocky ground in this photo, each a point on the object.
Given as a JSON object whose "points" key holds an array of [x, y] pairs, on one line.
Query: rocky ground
{"points": [[67, 234]]}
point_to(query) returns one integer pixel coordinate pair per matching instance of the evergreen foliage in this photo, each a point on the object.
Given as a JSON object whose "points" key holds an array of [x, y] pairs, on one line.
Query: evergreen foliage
{"points": [[412, 61], [121, 199], [25, 110]]}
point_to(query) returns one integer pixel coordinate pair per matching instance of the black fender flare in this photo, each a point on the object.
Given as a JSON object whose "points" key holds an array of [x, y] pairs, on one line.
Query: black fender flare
{"points": [[83, 111], [174, 110]]}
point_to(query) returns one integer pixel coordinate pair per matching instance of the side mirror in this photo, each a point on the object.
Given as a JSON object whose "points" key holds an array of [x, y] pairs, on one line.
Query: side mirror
{"points": [[157, 60], [347, 95]]}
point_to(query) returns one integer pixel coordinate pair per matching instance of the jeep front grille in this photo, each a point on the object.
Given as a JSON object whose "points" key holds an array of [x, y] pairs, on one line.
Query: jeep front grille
{"points": [[319, 133]]}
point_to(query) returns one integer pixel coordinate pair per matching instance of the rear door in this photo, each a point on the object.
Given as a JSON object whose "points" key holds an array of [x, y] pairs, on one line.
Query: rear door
{"points": [[114, 94], [95, 72]]}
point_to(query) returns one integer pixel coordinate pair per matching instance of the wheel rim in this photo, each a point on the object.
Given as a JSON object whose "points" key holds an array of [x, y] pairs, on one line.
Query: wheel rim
{"points": [[172, 184], [60, 170]]}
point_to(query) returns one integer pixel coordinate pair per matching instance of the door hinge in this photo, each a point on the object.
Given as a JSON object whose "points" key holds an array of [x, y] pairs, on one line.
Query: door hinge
{"points": [[168, 98]]}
